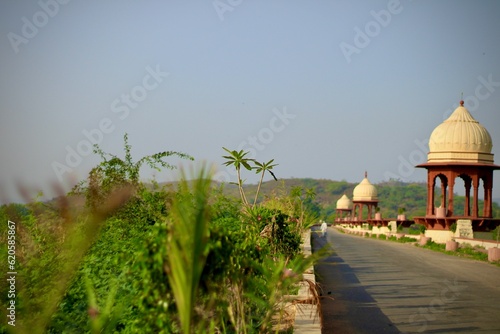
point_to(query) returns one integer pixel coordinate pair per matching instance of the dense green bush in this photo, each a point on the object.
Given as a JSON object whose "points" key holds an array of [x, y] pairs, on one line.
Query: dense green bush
{"points": [[112, 261]]}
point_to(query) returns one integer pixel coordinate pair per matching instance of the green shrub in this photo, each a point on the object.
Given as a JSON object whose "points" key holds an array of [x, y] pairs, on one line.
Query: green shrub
{"points": [[472, 252], [416, 229], [406, 239], [434, 246], [496, 234], [453, 227]]}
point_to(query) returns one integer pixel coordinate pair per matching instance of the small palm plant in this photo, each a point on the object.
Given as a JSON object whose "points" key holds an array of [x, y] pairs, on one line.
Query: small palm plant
{"points": [[262, 168], [239, 159]]}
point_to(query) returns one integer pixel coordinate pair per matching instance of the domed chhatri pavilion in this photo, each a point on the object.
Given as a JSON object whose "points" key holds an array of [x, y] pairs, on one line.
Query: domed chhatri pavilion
{"points": [[344, 206], [363, 194], [459, 147]]}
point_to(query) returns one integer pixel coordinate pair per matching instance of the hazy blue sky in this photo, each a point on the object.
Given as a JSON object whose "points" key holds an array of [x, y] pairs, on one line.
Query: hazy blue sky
{"points": [[328, 89]]}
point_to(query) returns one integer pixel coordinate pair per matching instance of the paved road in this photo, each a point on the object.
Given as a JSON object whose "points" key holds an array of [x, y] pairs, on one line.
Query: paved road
{"points": [[387, 287]]}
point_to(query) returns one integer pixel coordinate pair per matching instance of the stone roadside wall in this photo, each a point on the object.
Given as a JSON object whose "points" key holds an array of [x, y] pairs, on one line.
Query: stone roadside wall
{"points": [[306, 320]]}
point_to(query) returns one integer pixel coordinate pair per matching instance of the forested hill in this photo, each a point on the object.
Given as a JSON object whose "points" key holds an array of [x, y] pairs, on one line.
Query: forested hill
{"points": [[392, 195]]}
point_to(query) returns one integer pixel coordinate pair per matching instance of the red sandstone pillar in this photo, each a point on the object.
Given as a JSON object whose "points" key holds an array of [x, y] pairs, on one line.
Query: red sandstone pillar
{"points": [[467, 183], [444, 198], [488, 207], [431, 183], [475, 185], [450, 199]]}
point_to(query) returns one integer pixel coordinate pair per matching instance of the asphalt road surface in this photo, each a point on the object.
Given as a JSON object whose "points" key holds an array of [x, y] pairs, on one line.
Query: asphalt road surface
{"points": [[381, 286]]}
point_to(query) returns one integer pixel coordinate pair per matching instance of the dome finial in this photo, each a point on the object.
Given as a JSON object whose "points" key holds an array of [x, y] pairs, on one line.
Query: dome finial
{"points": [[366, 173], [462, 100]]}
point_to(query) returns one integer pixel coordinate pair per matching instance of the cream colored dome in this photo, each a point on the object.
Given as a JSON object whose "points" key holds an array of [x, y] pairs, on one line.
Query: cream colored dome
{"points": [[460, 138], [344, 203], [365, 191]]}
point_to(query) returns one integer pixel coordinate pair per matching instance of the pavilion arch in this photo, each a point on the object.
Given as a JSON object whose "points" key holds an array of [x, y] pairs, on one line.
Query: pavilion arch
{"points": [[363, 210], [467, 182], [473, 177], [443, 183]]}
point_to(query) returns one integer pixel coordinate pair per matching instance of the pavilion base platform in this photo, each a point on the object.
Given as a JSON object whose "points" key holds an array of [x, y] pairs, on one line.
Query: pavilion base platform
{"points": [[443, 224]]}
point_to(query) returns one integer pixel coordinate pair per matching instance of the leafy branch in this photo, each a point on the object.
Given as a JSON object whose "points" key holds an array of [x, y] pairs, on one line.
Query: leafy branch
{"points": [[115, 172]]}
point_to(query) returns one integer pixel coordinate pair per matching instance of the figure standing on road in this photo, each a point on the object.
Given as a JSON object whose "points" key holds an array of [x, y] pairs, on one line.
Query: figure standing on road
{"points": [[323, 228]]}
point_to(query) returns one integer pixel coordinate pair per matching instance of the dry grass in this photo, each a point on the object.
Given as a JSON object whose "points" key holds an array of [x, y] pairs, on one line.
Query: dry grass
{"points": [[283, 322], [312, 297]]}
